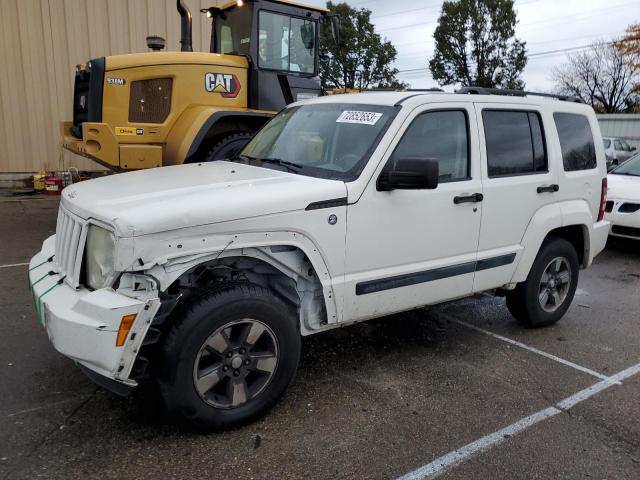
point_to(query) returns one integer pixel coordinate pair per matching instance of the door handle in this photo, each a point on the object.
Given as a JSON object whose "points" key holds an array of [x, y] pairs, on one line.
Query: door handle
{"points": [[475, 197], [548, 188]]}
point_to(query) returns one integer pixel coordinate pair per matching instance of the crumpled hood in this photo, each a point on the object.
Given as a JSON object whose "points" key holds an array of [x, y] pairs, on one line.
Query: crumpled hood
{"points": [[623, 187], [168, 198]]}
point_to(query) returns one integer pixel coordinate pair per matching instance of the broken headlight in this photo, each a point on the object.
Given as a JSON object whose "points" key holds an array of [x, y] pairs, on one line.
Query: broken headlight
{"points": [[100, 257]]}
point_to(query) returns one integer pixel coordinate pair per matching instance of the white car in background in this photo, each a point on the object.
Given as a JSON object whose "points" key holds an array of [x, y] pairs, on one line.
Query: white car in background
{"points": [[623, 206], [617, 151]]}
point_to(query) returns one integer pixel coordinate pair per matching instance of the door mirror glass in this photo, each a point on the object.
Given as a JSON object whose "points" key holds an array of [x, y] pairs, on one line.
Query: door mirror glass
{"points": [[336, 28], [409, 174], [308, 35]]}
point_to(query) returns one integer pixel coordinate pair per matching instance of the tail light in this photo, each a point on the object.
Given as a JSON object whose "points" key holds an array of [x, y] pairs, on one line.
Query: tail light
{"points": [[603, 199]]}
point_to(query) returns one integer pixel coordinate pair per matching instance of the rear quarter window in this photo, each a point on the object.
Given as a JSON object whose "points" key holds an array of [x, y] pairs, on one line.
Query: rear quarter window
{"points": [[576, 141]]}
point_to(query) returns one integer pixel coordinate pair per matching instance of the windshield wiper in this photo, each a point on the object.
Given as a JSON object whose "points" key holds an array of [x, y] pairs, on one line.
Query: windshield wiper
{"points": [[292, 167], [626, 173], [244, 158], [248, 159]]}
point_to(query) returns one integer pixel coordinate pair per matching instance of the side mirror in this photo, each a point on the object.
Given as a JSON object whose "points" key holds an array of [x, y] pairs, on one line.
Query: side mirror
{"points": [[410, 174], [335, 28], [308, 35]]}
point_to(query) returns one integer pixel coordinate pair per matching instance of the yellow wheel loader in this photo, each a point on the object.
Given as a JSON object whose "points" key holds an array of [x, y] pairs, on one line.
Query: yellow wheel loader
{"points": [[164, 108]]}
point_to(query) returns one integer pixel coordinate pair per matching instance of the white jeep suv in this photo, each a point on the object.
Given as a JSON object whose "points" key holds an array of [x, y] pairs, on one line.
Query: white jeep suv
{"points": [[203, 277]]}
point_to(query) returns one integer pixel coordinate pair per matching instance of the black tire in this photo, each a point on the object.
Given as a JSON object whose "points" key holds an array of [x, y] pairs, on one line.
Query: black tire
{"points": [[515, 304], [228, 146], [526, 302], [202, 321]]}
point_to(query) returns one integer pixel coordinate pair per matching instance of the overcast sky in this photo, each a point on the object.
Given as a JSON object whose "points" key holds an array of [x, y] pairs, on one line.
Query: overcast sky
{"points": [[546, 26]]}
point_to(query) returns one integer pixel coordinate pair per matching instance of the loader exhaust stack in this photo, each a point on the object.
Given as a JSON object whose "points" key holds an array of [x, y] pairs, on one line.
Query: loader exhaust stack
{"points": [[185, 27]]}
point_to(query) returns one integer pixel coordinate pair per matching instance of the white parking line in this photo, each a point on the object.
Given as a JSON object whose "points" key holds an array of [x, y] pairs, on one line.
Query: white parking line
{"points": [[532, 349], [14, 265], [448, 461]]}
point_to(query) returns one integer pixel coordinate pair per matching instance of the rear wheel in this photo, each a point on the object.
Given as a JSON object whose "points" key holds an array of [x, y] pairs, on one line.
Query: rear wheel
{"points": [[228, 146], [550, 286], [231, 357]]}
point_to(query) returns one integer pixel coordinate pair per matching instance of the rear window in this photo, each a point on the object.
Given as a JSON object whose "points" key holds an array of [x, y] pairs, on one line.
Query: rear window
{"points": [[576, 141], [515, 143]]}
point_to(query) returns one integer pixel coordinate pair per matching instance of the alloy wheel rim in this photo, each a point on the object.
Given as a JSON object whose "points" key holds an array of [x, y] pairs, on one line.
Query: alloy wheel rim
{"points": [[236, 363], [554, 284]]}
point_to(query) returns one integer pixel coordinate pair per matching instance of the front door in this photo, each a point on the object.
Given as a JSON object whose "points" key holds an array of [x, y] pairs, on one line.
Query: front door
{"points": [[408, 248]]}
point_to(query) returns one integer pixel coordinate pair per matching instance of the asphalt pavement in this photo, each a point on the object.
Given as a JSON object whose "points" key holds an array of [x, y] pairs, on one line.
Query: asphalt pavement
{"points": [[458, 390]]}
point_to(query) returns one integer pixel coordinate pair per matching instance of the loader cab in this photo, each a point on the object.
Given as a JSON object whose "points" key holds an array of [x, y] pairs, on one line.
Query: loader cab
{"points": [[280, 39]]}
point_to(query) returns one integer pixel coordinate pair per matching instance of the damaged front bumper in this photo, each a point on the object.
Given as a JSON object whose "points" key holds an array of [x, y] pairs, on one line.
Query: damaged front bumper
{"points": [[83, 324]]}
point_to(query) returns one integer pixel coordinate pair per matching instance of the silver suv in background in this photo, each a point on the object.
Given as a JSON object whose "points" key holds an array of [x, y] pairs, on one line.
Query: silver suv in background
{"points": [[617, 150]]}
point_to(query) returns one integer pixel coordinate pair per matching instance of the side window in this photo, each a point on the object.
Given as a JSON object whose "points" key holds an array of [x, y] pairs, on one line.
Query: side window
{"points": [[576, 141], [226, 39], [301, 45], [607, 143], [515, 142], [286, 43], [273, 46], [441, 135], [618, 145]]}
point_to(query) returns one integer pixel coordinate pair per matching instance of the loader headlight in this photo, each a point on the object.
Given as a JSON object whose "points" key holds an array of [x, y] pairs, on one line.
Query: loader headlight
{"points": [[100, 257]]}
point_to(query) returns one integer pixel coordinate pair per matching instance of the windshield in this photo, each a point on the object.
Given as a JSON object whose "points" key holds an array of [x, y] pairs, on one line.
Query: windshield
{"points": [[233, 32], [630, 167], [328, 140]]}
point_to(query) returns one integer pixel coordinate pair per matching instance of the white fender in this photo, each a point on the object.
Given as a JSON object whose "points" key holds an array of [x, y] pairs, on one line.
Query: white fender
{"points": [[545, 219]]}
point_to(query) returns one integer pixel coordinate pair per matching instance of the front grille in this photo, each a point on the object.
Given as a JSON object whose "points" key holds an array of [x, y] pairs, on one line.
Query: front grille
{"points": [[70, 237], [150, 100], [629, 208], [80, 101], [628, 231], [87, 95], [608, 207]]}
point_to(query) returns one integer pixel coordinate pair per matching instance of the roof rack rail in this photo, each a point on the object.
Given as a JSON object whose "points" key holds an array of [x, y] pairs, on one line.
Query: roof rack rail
{"points": [[432, 89], [514, 93], [392, 89]]}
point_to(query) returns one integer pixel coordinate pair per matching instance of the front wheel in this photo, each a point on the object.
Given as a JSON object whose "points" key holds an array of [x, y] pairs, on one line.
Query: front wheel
{"points": [[230, 357], [550, 286], [228, 146]]}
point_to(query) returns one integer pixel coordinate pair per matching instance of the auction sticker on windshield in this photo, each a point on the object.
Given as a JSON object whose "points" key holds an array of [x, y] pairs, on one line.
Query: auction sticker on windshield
{"points": [[354, 116]]}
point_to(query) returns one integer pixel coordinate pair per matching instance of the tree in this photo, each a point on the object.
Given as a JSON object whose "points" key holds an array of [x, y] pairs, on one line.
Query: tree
{"points": [[362, 60], [475, 45], [630, 44], [600, 76]]}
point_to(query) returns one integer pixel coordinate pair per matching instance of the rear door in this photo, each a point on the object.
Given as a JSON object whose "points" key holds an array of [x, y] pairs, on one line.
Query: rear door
{"points": [[518, 180]]}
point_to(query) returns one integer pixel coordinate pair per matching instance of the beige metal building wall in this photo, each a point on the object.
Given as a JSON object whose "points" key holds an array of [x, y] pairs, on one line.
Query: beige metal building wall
{"points": [[41, 41]]}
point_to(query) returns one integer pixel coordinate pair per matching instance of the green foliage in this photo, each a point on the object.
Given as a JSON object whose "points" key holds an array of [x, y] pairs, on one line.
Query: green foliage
{"points": [[362, 60], [475, 45]]}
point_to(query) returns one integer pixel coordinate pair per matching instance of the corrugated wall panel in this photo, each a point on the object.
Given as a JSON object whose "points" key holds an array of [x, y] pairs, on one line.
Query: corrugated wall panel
{"points": [[18, 150], [41, 41]]}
